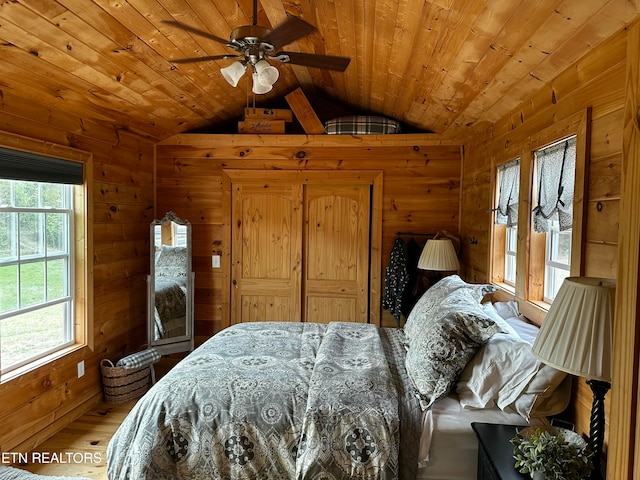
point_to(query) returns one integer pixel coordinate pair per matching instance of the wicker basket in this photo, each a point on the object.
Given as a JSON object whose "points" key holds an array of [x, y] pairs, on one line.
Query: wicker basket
{"points": [[121, 384]]}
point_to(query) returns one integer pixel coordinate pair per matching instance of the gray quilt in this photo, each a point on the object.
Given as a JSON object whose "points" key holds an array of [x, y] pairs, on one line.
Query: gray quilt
{"points": [[171, 306], [270, 401]]}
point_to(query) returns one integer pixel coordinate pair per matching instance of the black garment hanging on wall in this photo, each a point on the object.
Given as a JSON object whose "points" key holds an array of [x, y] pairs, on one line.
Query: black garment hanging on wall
{"points": [[415, 288], [397, 277]]}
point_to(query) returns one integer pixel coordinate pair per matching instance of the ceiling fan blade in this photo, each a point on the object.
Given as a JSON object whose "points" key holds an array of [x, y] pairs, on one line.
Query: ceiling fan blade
{"points": [[197, 31], [203, 59], [327, 62], [288, 31]]}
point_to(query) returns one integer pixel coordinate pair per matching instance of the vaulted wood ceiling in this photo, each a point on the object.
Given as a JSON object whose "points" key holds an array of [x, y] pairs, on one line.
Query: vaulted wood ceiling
{"points": [[440, 65]]}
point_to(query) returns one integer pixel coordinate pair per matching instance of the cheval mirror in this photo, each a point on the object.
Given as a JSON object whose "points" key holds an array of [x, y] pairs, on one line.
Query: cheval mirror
{"points": [[170, 286]]}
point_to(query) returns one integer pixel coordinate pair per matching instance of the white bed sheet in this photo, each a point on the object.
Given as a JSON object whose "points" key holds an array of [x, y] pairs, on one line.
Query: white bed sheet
{"points": [[448, 448]]}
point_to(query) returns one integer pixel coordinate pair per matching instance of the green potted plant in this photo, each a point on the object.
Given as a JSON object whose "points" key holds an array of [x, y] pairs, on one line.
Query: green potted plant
{"points": [[552, 453]]}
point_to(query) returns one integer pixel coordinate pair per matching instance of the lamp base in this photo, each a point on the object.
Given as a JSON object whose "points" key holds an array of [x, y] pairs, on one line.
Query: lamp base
{"points": [[597, 423]]}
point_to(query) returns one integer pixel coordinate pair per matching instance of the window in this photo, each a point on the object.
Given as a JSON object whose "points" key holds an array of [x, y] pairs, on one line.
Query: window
{"points": [[36, 265], [173, 234], [39, 275], [530, 258], [557, 259], [510, 255], [552, 217]]}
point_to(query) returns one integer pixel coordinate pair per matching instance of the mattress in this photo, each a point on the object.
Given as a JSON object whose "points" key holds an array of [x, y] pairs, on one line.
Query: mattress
{"points": [[448, 447]]}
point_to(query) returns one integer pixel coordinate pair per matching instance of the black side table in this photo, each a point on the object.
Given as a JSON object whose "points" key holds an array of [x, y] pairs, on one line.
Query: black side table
{"points": [[495, 451]]}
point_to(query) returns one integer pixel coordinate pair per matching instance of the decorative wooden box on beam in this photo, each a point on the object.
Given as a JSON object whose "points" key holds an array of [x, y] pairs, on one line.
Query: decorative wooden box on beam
{"points": [[268, 114], [304, 112], [264, 120]]}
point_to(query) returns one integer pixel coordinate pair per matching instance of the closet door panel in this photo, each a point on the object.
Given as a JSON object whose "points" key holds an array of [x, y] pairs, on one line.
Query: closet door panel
{"points": [[336, 267], [266, 252]]}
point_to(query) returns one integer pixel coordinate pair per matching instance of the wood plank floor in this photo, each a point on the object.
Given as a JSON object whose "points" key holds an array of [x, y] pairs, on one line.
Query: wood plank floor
{"points": [[81, 446]]}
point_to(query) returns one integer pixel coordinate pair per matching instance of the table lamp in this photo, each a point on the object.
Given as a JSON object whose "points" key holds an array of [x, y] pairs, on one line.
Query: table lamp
{"points": [[577, 337]]}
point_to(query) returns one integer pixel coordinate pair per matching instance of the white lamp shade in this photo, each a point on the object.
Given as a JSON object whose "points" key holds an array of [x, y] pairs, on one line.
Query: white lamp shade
{"points": [[258, 87], [233, 73], [267, 73], [577, 333], [439, 255]]}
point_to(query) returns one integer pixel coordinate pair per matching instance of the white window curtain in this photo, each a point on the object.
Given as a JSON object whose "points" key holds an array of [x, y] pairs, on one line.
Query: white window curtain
{"points": [[555, 171], [508, 193]]}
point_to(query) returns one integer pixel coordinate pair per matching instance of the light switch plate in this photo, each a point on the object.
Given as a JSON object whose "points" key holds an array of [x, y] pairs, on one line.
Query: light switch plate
{"points": [[215, 261]]}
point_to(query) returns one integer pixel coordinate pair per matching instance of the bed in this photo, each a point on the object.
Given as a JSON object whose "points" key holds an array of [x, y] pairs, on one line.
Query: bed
{"points": [[276, 400], [170, 287]]}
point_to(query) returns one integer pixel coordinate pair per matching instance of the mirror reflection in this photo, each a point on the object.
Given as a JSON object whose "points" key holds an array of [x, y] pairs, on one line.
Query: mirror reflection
{"points": [[170, 282]]}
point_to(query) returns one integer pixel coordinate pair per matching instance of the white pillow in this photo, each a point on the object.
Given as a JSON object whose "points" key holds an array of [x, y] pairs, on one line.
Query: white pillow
{"points": [[526, 330], [548, 393], [504, 325], [498, 373], [507, 309], [506, 374]]}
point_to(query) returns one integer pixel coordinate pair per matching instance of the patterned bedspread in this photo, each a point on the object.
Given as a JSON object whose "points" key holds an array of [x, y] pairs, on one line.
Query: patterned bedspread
{"points": [[277, 401], [171, 306]]}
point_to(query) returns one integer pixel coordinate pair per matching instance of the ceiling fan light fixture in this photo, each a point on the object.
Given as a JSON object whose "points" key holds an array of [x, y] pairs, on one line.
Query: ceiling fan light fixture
{"points": [[267, 74], [233, 73], [258, 87]]}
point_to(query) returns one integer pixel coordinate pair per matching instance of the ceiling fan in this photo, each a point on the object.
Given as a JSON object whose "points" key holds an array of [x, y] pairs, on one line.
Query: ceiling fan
{"points": [[256, 46]]}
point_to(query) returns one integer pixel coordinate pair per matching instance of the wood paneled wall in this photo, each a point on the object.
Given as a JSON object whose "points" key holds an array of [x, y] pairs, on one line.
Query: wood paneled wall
{"points": [[596, 81], [39, 403], [421, 188]]}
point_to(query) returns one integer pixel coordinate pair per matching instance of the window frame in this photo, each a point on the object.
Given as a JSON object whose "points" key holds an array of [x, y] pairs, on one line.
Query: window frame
{"points": [[82, 246], [528, 291]]}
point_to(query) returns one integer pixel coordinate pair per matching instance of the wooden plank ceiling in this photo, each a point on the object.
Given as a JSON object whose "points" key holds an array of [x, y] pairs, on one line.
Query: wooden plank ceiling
{"points": [[442, 65]]}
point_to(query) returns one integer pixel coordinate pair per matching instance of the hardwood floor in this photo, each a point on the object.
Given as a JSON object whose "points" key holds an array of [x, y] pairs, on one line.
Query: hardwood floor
{"points": [[80, 448]]}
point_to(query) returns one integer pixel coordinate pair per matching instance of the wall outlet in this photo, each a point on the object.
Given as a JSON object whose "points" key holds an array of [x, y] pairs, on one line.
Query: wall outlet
{"points": [[80, 368], [215, 261]]}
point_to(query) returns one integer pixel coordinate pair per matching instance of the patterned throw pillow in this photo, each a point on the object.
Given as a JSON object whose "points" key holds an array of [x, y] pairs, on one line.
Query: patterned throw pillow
{"points": [[429, 307], [440, 352]]}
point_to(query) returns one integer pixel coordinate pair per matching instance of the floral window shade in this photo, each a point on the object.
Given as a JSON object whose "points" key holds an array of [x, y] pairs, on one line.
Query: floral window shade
{"points": [[555, 171], [508, 194]]}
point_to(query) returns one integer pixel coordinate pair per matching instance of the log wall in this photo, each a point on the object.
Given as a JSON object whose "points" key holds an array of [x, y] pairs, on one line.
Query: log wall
{"points": [[421, 189], [41, 402], [596, 81]]}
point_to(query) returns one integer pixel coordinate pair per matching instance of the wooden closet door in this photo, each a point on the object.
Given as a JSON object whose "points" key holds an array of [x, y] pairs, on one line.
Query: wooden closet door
{"points": [[305, 246], [267, 252], [336, 246]]}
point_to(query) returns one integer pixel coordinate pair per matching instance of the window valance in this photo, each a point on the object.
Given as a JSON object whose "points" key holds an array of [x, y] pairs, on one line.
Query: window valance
{"points": [[555, 171], [508, 193]]}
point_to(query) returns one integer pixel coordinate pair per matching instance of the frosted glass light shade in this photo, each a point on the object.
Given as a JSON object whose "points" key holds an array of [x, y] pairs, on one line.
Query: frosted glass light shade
{"points": [[233, 73], [577, 333], [439, 255], [258, 87], [267, 73]]}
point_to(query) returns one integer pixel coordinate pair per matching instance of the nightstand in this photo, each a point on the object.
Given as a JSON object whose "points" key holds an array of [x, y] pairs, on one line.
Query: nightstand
{"points": [[495, 452]]}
